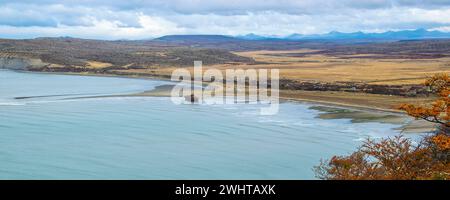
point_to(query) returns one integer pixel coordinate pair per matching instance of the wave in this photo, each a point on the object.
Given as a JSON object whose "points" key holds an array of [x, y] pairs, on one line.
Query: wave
{"points": [[11, 104], [53, 95]]}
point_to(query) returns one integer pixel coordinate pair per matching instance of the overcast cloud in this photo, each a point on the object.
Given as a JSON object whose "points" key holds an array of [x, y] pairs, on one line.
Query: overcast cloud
{"points": [[138, 19]]}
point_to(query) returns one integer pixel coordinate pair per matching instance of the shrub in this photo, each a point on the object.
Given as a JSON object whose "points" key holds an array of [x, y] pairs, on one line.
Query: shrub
{"points": [[399, 158]]}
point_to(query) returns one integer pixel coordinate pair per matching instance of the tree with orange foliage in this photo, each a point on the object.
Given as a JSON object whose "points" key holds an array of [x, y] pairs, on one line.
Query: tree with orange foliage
{"points": [[439, 111], [399, 158]]}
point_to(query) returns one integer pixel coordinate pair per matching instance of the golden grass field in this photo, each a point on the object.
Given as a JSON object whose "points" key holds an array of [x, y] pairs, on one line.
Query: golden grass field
{"points": [[324, 68]]}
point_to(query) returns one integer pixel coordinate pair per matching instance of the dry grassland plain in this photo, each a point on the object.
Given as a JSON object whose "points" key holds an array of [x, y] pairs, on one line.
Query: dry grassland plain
{"points": [[311, 65]]}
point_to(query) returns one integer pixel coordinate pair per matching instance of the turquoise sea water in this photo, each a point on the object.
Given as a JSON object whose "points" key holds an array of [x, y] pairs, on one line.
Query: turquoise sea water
{"points": [[56, 137]]}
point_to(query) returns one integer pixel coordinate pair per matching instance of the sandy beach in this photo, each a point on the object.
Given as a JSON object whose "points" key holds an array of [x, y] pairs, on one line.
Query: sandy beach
{"points": [[359, 108]]}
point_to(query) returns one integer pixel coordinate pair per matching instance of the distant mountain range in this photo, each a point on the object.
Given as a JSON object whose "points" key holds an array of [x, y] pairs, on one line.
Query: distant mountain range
{"points": [[353, 37], [254, 42], [334, 35], [197, 38]]}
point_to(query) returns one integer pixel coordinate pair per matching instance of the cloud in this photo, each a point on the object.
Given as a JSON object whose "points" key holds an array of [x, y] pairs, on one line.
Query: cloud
{"points": [[234, 6], [98, 29], [137, 19]]}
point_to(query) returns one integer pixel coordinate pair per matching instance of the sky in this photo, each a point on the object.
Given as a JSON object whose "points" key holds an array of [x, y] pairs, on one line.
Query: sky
{"points": [[140, 19]]}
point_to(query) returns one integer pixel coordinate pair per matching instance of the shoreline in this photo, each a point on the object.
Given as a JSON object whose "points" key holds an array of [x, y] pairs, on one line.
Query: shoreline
{"points": [[343, 105], [352, 110], [356, 114], [283, 95]]}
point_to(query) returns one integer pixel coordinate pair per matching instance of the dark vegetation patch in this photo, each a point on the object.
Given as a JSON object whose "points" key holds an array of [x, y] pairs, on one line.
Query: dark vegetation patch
{"points": [[76, 52]]}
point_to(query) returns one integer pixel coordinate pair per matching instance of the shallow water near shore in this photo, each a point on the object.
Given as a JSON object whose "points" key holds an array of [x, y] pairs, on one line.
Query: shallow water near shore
{"points": [[45, 135]]}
